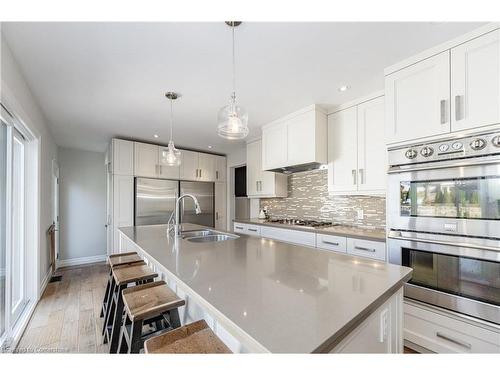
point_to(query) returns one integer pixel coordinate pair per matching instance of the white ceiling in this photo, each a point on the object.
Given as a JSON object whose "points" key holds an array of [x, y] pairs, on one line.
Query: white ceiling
{"points": [[94, 81]]}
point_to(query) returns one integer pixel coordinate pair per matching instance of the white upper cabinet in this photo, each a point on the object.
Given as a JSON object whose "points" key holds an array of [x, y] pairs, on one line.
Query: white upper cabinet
{"points": [[122, 161], [206, 165], [372, 155], [262, 183], [299, 138], [146, 160], [475, 82], [450, 88], [356, 149], [164, 170], [342, 151], [418, 100], [189, 165], [274, 142], [220, 168]]}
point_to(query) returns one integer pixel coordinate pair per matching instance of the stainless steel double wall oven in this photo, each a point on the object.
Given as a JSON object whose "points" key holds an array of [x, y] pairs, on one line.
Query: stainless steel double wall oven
{"points": [[443, 206]]}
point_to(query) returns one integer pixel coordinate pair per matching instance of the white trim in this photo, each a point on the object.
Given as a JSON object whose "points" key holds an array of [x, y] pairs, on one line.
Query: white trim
{"points": [[44, 283], [357, 101], [441, 47], [82, 260]]}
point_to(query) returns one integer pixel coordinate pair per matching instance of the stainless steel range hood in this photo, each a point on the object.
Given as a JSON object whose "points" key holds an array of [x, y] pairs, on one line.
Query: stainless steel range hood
{"points": [[297, 168]]}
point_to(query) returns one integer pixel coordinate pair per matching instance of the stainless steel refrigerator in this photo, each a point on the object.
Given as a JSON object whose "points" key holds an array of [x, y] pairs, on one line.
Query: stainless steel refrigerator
{"points": [[155, 201], [204, 192]]}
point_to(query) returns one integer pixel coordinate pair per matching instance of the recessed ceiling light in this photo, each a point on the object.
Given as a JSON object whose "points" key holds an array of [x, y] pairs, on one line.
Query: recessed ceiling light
{"points": [[344, 88], [156, 135], [209, 146]]}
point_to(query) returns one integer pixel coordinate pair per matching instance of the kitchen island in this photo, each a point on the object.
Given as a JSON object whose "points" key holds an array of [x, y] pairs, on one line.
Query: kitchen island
{"points": [[261, 295]]}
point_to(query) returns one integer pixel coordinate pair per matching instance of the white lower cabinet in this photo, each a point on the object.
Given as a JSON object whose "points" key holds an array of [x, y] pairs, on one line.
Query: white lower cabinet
{"points": [[333, 243], [251, 230], [365, 248], [442, 333], [287, 235]]}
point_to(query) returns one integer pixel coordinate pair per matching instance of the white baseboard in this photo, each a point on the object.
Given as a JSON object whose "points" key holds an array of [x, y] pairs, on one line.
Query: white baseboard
{"points": [[83, 260], [44, 283]]}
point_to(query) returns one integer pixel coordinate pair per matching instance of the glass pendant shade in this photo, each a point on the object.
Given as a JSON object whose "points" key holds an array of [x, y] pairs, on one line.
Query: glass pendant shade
{"points": [[171, 156], [232, 121]]}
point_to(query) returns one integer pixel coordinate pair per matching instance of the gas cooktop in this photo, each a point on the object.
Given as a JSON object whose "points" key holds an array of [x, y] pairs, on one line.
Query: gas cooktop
{"points": [[302, 223]]}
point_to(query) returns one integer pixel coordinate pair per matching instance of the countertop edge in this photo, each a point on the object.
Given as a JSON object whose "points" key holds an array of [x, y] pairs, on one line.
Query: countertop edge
{"points": [[331, 231], [341, 334]]}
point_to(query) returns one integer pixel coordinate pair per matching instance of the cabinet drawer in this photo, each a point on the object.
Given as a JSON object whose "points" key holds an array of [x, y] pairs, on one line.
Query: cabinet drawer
{"points": [[239, 228], [289, 235], [329, 242], [250, 229], [444, 334], [367, 249]]}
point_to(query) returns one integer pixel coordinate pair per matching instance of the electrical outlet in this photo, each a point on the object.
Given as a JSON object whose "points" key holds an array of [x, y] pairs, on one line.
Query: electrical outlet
{"points": [[360, 214]]}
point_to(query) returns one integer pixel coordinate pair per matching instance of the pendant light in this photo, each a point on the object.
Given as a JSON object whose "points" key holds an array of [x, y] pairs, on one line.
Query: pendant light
{"points": [[171, 156], [232, 119]]}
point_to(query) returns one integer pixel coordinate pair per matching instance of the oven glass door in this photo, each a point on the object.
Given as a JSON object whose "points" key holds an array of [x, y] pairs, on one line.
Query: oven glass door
{"points": [[476, 198], [467, 277]]}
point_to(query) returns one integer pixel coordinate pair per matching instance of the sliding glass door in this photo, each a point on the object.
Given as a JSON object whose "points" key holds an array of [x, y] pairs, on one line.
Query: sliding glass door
{"points": [[3, 217], [18, 252]]}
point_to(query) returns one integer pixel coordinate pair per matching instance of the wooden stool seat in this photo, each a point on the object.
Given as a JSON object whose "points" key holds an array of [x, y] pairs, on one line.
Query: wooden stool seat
{"points": [[148, 300], [124, 258], [133, 273], [193, 338]]}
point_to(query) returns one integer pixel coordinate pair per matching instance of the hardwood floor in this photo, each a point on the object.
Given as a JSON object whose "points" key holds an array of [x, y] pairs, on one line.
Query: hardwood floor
{"points": [[66, 320]]}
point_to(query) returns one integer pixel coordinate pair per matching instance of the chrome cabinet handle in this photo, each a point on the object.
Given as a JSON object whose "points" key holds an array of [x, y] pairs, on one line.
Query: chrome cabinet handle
{"points": [[216, 175], [453, 340], [200, 172], [216, 216], [458, 108], [239, 228], [331, 243], [161, 169], [252, 230], [354, 177], [443, 111], [365, 249], [362, 175], [256, 185]]}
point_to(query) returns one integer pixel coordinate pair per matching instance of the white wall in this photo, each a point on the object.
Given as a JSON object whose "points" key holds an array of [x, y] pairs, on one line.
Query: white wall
{"points": [[16, 95], [82, 204]]}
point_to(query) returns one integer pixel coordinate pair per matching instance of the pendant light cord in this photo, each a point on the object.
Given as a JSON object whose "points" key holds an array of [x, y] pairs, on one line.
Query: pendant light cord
{"points": [[171, 119], [234, 68]]}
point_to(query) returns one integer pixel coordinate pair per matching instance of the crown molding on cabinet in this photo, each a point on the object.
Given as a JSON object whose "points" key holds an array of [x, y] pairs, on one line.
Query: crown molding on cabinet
{"points": [[442, 47], [357, 101]]}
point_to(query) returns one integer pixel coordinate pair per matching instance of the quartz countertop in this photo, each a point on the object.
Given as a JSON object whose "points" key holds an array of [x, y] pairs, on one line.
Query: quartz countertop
{"points": [[289, 298], [335, 229]]}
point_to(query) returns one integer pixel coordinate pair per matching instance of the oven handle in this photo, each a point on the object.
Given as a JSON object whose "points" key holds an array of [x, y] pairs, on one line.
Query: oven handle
{"points": [[467, 163], [395, 236]]}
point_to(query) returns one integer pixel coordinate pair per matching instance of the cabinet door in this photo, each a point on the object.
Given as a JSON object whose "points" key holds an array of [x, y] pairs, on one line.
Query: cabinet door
{"points": [[220, 205], [371, 146], [220, 168], [253, 167], [122, 157], [164, 170], [189, 165], [418, 100], [475, 82], [206, 165], [123, 205], [146, 160], [274, 146], [301, 134], [342, 153]]}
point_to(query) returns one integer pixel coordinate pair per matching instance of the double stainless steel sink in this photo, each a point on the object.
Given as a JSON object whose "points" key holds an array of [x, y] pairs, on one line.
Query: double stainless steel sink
{"points": [[206, 235]]}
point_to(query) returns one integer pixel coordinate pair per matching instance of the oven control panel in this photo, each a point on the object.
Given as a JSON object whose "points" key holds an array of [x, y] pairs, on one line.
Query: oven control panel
{"points": [[447, 149]]}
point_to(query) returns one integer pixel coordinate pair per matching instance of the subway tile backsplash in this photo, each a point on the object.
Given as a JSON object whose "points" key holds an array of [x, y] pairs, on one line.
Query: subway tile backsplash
{"points": [[308, 199]]}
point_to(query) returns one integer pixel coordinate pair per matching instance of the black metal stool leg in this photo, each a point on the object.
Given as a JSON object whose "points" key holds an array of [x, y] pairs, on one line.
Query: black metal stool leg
{"points": [[117, 321], [123, 345], [109, 305], [175, 321], [106, 294], [136, 339]]}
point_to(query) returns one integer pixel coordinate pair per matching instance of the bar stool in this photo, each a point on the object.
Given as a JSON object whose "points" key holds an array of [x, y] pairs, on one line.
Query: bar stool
{"points": [[116, 260], [136, 273], [193, 338], [146, 304]]}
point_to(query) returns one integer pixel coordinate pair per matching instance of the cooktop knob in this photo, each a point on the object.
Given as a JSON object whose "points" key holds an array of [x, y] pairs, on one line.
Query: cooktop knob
{"points": [[426, 151], [457, 145], [496, 141], [411, 154], [444, 147], [478, 144]]}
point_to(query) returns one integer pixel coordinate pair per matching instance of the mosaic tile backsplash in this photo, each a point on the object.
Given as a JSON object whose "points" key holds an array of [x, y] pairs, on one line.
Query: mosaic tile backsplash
{"points": [[308, 199]]}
